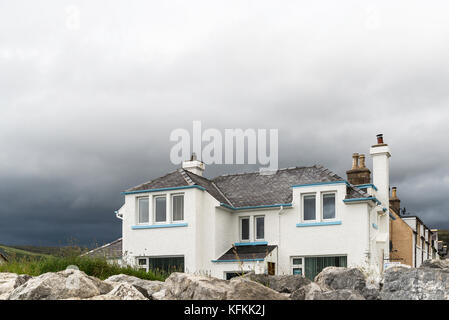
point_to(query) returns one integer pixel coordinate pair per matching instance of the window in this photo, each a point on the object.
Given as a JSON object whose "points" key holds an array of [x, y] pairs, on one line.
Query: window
{"points": [[260, 227], [314, 265], [328, 206], [244, 229], [297, 266], [160, 209], [143, 209], [166, 264], [178, 207], [309, 207], [142, 263]]}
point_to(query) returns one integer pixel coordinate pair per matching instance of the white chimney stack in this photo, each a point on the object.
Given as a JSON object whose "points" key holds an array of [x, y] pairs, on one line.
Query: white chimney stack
{"points": [[194, 165], [381, 170]]}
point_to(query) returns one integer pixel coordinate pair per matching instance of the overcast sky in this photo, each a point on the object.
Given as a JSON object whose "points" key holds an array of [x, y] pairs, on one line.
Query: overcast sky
{"points": [[90, 91]]}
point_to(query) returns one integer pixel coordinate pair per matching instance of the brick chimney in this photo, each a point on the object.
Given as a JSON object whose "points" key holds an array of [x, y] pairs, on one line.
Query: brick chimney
{"points": [[359, 173], [395, 202], [194, 165]]}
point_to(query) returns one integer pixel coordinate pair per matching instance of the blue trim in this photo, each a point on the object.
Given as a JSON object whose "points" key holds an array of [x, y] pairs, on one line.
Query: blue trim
{"points": [[320, 183], [156, 226], [256, 207], [375, 226], [257, 243], [366, 185], [363, 199], [391, 216], [314, 224], [164, 189], [237, 260]]}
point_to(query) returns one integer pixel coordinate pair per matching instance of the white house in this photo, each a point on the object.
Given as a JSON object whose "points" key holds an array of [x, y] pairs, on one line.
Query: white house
{"points": [[293, 221]]}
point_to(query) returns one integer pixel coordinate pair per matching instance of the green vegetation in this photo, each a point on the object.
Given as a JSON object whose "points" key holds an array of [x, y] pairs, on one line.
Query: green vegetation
{"points": [[59, 251], [97, 267], [15, 253]]}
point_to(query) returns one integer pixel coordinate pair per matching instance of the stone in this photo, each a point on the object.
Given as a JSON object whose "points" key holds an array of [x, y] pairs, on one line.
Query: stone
{"points": [[146, 287], [65, 284], [280, 283], [336, 278], [307, 292], [437, 264], [340, 294], [427, 283], [10, 281], [122, 291], [244, 289], [182, 286]]}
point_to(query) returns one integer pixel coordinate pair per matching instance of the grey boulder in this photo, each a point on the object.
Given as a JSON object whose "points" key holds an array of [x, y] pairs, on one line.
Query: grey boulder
{"points": [[65, 284], [146, 287], [10, 281], [280, 283], [426, 283], [182, 286]]}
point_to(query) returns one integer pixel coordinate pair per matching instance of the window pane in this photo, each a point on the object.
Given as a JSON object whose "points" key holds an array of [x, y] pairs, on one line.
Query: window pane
{"points": [[297, 261], [297, 271], [245, 228], [167, 264], [178, 208], [328, 206], [260, 227], [142, 262], [309, 208], [143, 210], [161, 209], [315, 265]]}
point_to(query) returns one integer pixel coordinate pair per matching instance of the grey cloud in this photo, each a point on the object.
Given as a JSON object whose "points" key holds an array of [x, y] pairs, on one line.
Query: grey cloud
{"points": [[86, 113]]}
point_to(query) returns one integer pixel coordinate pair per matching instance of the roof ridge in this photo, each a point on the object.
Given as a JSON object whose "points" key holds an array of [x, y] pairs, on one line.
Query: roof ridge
{"points": [[224, 196], [257, 172], [186, 176], [149, 181]]}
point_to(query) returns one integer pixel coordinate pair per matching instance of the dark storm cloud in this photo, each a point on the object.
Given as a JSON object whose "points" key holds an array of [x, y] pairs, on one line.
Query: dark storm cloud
{"points": [[90, 91]]}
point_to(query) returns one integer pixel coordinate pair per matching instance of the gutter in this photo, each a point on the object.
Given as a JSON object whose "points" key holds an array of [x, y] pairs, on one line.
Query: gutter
{"points": [[256, 207], [279, 238]]}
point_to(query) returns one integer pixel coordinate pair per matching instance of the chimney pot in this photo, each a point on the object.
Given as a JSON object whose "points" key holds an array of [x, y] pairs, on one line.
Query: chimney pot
{"points": [[362, 161], [394, 193], [380, 138], [355, 161]]}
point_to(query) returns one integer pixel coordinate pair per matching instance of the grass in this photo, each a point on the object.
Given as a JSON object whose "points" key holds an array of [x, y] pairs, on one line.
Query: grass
{"points": [[97, 267], [16, 253]]}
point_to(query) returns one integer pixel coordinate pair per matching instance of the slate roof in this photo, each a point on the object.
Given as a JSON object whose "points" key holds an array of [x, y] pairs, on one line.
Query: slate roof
{"points": [[112, 250], [251, 189], [247, 252]]}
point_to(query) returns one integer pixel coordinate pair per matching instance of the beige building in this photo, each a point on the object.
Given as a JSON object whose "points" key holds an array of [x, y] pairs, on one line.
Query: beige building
{"points": [[411, 241]]}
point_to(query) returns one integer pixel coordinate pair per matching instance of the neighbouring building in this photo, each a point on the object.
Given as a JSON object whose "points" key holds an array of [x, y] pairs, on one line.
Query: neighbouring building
{"points": [[112, 252], [292, 221], [411, 241]]}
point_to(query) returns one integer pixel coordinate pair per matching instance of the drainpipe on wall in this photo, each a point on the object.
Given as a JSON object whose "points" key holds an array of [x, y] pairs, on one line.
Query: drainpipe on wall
{"points": [[279, 237]]}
